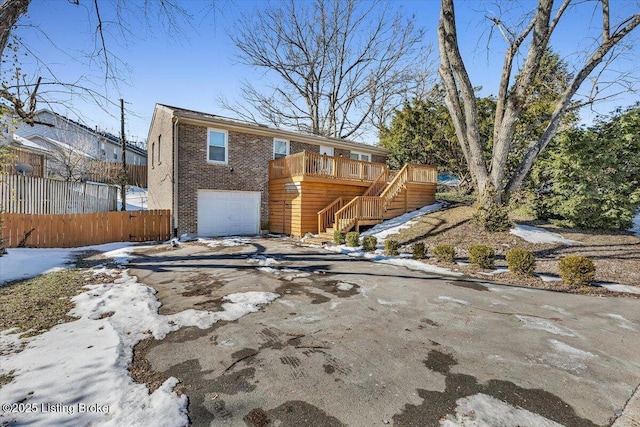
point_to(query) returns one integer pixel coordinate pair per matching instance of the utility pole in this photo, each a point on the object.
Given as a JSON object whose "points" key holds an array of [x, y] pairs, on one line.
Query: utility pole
{"points": [[123, 172]]}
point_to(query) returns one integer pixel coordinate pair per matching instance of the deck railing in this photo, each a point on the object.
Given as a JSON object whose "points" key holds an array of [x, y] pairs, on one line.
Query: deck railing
{"points": [[323, 166], [370, 206]]}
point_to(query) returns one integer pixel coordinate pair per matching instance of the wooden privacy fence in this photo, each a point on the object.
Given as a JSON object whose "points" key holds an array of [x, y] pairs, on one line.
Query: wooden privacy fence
{"points": [[33, 195], [73, 230], [110, 172], [22, 156]]}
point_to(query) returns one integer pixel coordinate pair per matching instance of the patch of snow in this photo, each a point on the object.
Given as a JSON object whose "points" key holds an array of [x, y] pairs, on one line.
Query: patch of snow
{"points": [[136, 198], [560, 361], [287, 303], [94, 352], [226, 241], [416, 265], [307, 319], [23, 263], [263, 260], [635, 228], [252, 298], [623, 323], [543, 324], [481, 410], [548, 278], [378, 256], [394, 225], [556, 309], [344, 286], [289, 273], [499, 270], [270, 270], [571, 351], [451, 299], [334, 304], [391, 303], [120, 256], [540, 235], [616, 287]]}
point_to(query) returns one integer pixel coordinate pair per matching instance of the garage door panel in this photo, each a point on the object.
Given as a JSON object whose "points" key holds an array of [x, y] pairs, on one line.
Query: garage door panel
{"points": [[225, 213]]}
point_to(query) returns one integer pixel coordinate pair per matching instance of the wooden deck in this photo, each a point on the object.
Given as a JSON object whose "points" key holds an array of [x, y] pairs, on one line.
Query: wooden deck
{"points": [[309, 192]]}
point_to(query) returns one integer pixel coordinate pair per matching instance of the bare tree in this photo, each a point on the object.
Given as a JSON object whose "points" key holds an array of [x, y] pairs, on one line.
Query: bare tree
{"points": [[491, 177], [21, 92], [342, 66]]}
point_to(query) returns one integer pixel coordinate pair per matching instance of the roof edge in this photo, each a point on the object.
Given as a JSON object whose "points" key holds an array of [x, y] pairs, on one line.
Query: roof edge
{"points": [[211, 119]]}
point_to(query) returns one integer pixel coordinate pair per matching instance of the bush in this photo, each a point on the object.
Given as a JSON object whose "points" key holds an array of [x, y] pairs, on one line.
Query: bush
{"points": [[419, 251], [482, 256], [391, 247], [353, 239], [444, 253], [369, 243], [495, 218], [521, 262], [588, 177], [576, 270], [339, 237]]}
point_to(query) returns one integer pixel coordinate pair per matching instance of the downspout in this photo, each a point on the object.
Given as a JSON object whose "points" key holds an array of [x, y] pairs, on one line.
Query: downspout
{"points": [[175, 177]]}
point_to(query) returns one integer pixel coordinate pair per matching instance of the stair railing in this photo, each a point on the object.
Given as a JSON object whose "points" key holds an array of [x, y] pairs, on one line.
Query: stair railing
{"points": [[326, 216]]}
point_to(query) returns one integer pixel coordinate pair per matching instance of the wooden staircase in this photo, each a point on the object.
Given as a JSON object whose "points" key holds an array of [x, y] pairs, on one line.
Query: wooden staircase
{"points": [[372, 207]]}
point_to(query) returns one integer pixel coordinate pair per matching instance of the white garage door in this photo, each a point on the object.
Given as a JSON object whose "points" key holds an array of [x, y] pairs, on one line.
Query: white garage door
{"points": [[227, 213]]}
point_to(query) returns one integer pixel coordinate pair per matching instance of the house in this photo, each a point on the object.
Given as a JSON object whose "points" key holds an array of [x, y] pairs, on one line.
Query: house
{"points": [[56, 132], [221, 176], [28, 158]]}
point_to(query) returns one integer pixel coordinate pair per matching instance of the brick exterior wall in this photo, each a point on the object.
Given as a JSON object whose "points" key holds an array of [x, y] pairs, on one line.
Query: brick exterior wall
{"points": [[298, 147], [378, 159], [247, 170], [337, 152]]}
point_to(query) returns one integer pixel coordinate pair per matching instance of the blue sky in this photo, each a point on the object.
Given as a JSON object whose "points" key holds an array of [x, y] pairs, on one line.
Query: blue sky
{"points": [[192, 68]]}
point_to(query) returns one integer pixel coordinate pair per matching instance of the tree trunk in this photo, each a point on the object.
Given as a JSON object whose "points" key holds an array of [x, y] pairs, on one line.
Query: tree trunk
{"points": [[10, 12]]}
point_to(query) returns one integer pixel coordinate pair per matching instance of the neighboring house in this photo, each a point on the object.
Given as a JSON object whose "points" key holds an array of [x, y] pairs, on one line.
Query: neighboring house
{"points": [[27, 157], [220, 176], [54, 131]]}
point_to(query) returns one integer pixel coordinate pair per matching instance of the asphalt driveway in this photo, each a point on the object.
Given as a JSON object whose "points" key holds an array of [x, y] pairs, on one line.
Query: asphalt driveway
{"points": [[351, 342]]}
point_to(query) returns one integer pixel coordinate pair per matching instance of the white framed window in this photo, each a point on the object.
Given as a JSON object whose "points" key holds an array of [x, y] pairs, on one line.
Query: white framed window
{"points": [[360, 156], [280, 148], [103, 151], [327, 151], [115, 154], [217, 146]]}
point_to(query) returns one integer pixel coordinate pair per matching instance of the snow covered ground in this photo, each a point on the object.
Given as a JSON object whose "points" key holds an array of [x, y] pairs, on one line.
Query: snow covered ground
{"points": [[136, 198], [76, 373], [540, 235], [394, 225], [23, 263]]}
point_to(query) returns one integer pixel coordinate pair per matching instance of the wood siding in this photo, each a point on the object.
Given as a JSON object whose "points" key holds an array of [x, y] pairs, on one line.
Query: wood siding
{"points": [[294, 206]]}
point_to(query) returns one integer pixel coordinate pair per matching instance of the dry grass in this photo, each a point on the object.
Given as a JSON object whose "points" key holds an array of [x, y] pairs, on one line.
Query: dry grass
{"points": [[616, 254], [35, 305]]}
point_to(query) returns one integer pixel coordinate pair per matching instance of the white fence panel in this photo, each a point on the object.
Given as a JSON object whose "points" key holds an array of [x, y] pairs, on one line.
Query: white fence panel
{"points": [[44, 196]]}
